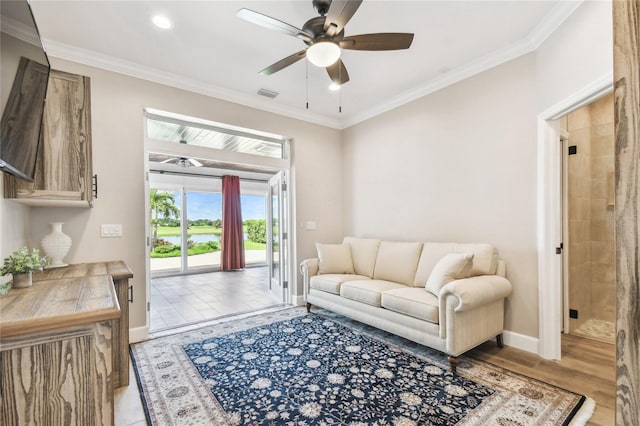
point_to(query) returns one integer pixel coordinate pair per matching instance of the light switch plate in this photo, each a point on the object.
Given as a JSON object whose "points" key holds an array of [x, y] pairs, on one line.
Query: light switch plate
{"points": [[111, 230], [311, 225]]}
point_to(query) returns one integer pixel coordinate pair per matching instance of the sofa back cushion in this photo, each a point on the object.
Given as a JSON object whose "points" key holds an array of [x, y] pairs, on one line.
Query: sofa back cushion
{"points": [[485, 259], [334, 259], [363, 253], [397, 262]]}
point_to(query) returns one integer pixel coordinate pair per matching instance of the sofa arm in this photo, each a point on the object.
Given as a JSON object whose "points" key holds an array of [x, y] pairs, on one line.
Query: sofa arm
{"points": [[308, 268], [471, 310], [475, 291]]}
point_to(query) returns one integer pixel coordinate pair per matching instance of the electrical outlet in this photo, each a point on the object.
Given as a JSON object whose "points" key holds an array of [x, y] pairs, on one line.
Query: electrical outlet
{"points": [[573, 313], [110, 230]]}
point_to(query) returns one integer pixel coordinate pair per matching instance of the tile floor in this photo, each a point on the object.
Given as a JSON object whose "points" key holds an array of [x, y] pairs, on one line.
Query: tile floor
{"points": [[188, 299]]}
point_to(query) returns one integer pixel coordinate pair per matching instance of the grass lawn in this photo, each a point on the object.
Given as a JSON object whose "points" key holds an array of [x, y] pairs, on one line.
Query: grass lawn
{"points": [[174, 250], [174, 231]]}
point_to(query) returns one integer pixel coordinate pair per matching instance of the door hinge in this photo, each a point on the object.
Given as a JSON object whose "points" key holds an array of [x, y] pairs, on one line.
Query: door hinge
{"points": [[148, 242], [285, 236], [285, 284], [284, 186], [148, 306], [94, 186], [559, 249]]}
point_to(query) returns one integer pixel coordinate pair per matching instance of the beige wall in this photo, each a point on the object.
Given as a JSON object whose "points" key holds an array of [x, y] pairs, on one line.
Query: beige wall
{"points": [[458, 165], [118, 157], [579, 52], [591, 220]]}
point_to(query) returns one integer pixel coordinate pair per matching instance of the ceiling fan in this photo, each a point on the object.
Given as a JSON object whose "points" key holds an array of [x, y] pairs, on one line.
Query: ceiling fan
{"points": [[325, 39], [183, 162]]}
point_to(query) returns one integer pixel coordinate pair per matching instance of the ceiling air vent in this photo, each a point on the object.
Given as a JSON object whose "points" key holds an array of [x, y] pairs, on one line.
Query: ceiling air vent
{"points": [[268, 93]]}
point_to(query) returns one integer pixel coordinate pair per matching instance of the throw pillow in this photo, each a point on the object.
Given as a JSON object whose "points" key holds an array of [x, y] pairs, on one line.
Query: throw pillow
{"points": [[334, 259], [451, 267]]}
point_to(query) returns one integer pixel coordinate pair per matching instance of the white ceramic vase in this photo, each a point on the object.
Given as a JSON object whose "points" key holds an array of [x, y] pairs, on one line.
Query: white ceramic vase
{"points": [[56, 245]]}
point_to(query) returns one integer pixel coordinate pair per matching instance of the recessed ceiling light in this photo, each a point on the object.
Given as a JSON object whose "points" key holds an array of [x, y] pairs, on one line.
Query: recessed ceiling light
{"points": [[335, 86], [162, 22]]}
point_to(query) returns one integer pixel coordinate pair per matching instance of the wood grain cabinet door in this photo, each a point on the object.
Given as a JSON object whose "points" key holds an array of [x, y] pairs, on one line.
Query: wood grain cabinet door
{"points": [[64, 164]]}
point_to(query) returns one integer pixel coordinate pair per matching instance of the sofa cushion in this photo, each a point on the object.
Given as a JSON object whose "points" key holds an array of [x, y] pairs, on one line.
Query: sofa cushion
{"points": [[397, 262], [369, 291], [363, 252], [485, 259], [451, 267], [412, 301], [334, 259], [331, 283]]}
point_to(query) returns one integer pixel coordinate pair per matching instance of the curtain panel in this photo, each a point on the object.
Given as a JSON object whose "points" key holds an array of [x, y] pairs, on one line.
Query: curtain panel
{"points": [[232, 239]]}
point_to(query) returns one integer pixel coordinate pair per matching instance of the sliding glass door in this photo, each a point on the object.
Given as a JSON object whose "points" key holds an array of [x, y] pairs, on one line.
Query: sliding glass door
{"points": [[203, 217], [166, 237]]}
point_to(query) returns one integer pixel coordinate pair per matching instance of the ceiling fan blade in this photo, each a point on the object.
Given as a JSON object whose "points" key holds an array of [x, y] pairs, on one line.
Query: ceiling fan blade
{"points": [[338, 72], [272, 23], [340, 12], [169, 160], [377, 41], [195, 162], [283, 63]]}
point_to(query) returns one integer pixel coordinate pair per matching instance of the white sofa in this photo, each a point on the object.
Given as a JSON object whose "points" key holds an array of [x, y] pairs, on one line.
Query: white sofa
{"points": [[446, 296]]}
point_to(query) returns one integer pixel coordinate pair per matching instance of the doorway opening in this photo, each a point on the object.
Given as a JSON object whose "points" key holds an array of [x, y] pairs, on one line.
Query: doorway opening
{"points": [[588, 221], [187, 160]]}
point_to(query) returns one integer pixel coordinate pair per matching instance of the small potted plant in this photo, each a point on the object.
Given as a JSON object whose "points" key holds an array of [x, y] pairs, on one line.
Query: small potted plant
{"points": [[21, 265]]}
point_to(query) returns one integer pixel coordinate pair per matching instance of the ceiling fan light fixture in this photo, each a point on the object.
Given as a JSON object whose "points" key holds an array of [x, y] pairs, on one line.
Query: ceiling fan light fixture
{"points": [[323, 53], [335, 86]]}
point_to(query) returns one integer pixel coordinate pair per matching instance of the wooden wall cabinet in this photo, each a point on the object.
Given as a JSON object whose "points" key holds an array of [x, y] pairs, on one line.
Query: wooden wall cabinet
{"points": [[64, 174]]}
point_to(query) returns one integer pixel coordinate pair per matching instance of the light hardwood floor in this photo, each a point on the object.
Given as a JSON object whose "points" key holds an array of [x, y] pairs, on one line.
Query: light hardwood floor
{"points": [[587, 367]]}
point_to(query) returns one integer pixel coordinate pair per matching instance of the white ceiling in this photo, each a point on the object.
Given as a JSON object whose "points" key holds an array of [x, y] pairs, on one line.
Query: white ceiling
{"points": [[211, 51]]}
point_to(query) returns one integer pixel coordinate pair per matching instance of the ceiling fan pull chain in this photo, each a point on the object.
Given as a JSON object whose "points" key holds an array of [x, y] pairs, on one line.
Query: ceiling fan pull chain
{"points": [[340, 91], [306, 67]]}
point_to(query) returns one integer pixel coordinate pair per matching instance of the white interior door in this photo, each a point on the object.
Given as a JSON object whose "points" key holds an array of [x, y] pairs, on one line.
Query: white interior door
{"points": [[277, 230]]}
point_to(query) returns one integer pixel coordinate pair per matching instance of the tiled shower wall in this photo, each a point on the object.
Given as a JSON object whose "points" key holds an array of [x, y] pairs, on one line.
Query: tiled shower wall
{"points": [[591, 256]]}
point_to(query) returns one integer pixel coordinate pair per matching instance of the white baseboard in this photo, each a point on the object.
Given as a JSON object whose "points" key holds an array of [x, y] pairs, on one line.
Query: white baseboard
{"points": [[138, 334], [520, 341]]}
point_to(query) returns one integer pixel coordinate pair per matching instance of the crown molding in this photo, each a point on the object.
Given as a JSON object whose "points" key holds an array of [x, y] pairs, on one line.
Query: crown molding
{"points": [[18, 30], [552, 21], [530, 43], [451, 77], [132, 69]]}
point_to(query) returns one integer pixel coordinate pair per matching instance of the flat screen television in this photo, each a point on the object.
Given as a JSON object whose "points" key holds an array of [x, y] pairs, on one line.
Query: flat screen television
{"points": [[24, 74]]}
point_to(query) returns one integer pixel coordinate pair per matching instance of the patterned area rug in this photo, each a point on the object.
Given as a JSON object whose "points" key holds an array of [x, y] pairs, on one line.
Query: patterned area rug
{"points": [[292, 368]]}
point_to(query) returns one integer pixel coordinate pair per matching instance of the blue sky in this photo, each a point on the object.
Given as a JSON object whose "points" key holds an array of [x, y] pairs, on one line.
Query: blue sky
{"points": [[202, 205]]}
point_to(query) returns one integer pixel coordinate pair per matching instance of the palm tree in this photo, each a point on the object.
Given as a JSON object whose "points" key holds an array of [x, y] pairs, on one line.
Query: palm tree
{"points": [[162, 203]]}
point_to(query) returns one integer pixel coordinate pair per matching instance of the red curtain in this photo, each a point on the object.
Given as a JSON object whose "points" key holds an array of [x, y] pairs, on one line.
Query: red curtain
{"points": [[232, 240]]}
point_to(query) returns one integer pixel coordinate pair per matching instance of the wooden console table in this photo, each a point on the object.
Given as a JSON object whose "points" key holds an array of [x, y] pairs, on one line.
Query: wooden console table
{"points": [[56, 352], [120, 272]]}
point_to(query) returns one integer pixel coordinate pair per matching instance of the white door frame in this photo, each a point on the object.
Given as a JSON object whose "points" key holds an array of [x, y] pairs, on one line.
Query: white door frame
{"points": [[550, 283]]}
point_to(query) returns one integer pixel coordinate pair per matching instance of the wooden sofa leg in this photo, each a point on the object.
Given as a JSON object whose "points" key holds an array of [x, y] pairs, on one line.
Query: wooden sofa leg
{"points": [[499, 340], [453, 362], [308, 307]]}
